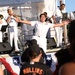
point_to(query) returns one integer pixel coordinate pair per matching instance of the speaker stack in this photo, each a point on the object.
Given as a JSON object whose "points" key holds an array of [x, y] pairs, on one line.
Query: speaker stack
{"points": [[51, 43], [5, 47]]}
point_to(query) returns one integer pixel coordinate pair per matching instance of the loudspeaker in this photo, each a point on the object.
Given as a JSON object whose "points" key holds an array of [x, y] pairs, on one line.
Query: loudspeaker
{"points": [[4, 47], [51, 43]]}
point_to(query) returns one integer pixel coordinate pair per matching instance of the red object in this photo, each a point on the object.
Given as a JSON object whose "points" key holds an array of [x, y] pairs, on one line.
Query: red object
{"points": [[7, 66]]}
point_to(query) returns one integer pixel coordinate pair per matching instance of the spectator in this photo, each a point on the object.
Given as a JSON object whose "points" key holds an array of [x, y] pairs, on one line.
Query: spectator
{"points": [[1, 71], [68, 54], [25, 55], [67, 69], [34, 67]]}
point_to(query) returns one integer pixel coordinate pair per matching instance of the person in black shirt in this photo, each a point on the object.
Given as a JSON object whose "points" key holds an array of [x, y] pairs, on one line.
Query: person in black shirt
{"points": [[68, 54], [25, 56], [34, 66], [68, 69]]}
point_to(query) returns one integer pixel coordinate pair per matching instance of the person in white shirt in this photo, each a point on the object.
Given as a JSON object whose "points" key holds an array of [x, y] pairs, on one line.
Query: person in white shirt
{"points": [[13, 32], [59, 30], [72, 15], [2, 22], [41, 28], [62, 8], [0, 30]]}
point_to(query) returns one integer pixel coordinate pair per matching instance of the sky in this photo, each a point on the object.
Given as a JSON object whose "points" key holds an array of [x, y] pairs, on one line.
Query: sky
{"points": [[70, 5]]}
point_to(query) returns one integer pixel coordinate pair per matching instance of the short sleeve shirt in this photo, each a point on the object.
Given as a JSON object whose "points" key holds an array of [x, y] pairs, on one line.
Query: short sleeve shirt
{"points": [[41, 28], [35, 68], [13, 22], [3, 23]]}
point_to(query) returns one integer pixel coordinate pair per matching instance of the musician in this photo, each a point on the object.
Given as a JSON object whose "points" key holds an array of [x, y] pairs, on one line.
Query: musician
{"points": [[13, 32], [1, 17]]}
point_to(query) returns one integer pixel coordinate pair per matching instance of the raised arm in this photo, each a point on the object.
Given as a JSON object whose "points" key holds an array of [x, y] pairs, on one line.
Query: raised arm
{"points": [[25, 22], [61, 24], [8, 19]]}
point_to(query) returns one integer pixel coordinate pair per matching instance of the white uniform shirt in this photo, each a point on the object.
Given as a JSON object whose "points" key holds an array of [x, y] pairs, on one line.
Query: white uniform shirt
{"points": [[58, 12], [41, 28], [3, 23], [0, 26], [71, 16], [12, 24]]}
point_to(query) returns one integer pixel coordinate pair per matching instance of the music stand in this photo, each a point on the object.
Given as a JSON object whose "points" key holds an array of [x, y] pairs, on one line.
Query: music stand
{"points": [[3, 28]]}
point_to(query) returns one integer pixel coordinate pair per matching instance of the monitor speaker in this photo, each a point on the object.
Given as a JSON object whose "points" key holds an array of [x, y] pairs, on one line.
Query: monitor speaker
{"points": [[4, 47], [51, 43]]}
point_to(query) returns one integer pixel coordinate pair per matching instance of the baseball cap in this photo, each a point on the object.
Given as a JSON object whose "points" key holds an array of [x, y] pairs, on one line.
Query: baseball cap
{"points": [[32, 42], [34, 51]]}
